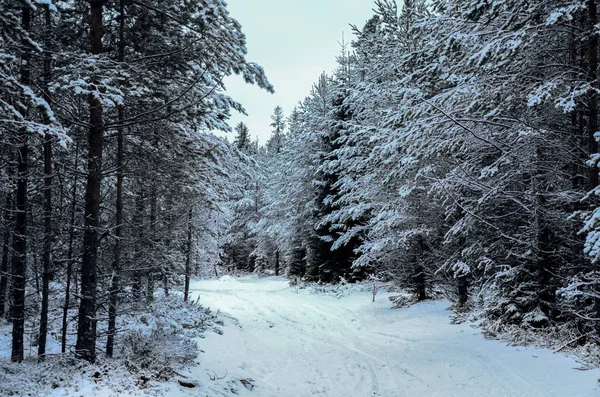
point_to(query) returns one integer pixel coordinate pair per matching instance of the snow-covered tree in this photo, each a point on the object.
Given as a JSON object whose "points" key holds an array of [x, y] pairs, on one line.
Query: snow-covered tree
{"points": [[278, 124], [242, 139]]}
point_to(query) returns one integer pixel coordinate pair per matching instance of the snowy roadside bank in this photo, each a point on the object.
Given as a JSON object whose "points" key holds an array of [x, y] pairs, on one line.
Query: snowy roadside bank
{"points": [[152, 346]]}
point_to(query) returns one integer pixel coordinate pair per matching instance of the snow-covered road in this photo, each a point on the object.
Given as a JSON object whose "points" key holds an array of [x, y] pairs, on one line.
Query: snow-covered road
{"points": [[290, 344]]}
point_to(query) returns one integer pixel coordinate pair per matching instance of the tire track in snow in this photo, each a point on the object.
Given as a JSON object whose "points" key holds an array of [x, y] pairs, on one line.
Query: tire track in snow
{"points": [[344, 346], [315, 345]]}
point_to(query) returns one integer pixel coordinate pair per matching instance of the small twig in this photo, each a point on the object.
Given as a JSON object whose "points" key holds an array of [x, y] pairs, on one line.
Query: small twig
{"points": [[178, 374], [574, 340], [216, 377]]}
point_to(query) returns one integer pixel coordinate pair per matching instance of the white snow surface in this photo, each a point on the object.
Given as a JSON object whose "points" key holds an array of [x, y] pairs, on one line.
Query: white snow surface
{"points": [[280, 341], [290, 343]]}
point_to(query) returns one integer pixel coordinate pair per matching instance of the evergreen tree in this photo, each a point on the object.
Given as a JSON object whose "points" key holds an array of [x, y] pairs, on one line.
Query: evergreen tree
{"points": [[242, 140], [138, 104], [278, 125]]}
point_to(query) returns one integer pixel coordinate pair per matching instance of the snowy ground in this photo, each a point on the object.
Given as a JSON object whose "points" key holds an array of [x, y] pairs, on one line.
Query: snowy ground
{"points": [[281, 342], [287, 343]]}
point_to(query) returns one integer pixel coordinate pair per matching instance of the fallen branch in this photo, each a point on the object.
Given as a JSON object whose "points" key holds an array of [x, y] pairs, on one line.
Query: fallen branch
{"points": [[572, 341], [215, 376]]}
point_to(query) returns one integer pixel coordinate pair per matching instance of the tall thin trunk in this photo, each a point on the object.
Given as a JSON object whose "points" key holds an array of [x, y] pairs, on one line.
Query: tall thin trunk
{"points": [[116, 268], [86, 326], [4, 271], [139, 256], [151, 240], [188, 259], [419, 270], [578, 180], [542, 241], [169, 205], [165, 280], [47, 259], [463, 290], [19, 243], [63, 340], [36, 260], [277, 262], [592, 120], [19, 251]]}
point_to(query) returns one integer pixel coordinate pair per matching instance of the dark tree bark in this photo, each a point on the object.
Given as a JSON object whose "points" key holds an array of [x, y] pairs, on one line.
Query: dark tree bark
{"points": [[277, 262], [188, 258], [116, 268], [592, 119], [63, 341], [19, 243], [165, 281], [86, 326], [137, 271], [419, 279], [578, 175], [4, 271], [113, 299], [151, 240], [169, 205], [419, 271], [48, 174], [463, 290], [543, 244], [19, 251]]}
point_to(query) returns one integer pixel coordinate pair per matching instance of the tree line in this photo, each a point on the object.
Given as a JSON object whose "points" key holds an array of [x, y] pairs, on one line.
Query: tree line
{"points": [[111, 184], [455, 145]]}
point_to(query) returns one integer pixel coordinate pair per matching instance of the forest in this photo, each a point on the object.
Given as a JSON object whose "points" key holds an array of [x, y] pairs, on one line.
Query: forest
{"points": [[455, 146], [452, 153]]}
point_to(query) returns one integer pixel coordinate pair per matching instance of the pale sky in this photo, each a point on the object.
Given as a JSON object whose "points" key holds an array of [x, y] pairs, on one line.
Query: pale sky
{"points": [[295, 41]]}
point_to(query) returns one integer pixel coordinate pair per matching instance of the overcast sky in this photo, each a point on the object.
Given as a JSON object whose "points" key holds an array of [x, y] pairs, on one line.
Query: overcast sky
{"points": [[295, 41]]}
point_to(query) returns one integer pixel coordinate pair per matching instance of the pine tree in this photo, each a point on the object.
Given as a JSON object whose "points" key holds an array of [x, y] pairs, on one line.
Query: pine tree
{"points": [[86, 327], [242, 140], [278, 125]]}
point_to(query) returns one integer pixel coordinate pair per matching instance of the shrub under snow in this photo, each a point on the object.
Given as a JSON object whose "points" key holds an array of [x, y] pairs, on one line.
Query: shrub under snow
{"points": [[152, 345]]}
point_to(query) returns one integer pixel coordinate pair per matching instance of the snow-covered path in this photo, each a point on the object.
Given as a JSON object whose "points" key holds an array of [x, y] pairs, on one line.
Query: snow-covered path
{"points": [[296, 344]]}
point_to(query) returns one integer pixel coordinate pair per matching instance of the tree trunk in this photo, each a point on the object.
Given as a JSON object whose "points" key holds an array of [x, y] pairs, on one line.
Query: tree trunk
{"points": [[463, 290], [113, 299], [592, 120], [116, 270], [139, 256], [19, 251], [419, 270], [277, 262], [188, 259], [151, 241], [4, 273], [19, 243], [169, 206], [165, 285], [420, 283], [46, 255], [86, 326], [63, 340]]}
